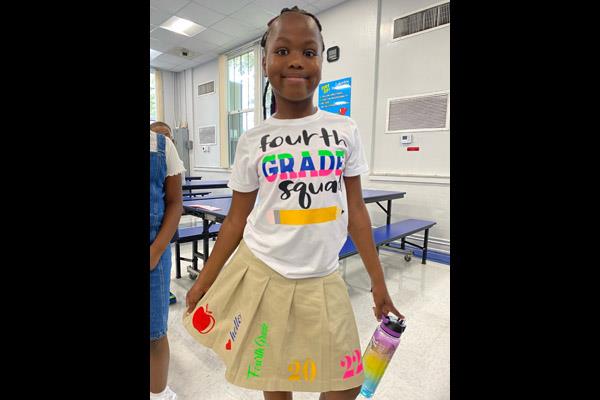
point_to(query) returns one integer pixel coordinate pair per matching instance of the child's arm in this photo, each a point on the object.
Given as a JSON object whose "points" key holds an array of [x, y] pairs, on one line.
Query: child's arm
{"points": [[359, 227], [171, 217], [228, 239]]}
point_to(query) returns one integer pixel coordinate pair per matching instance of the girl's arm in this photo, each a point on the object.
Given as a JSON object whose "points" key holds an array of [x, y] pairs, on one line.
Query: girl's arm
{"points": [[228, 240], [172, 215], [359, 227]]}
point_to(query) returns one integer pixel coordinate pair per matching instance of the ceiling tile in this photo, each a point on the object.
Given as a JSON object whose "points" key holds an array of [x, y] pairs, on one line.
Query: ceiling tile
{"points": [[176, 51], [311, 8], [157, 16], [223, 6], [169, 59], [253, 15], [198, 46], [233, 27], [237, 42], [211, 36], [160, 46], [171, 6], [162, 64], [204, 58], [231, 45], [167, 36], [154, 54], [257, 33], [275, 6], [200, 15], [325, 4]]}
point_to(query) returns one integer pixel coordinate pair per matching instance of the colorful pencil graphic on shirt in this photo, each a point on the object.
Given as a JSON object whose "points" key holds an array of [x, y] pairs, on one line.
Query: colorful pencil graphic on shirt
{"points": [[304, 217]]}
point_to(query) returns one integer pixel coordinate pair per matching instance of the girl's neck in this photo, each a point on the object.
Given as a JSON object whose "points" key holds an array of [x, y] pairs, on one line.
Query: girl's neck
{"points": [[293, 110]]}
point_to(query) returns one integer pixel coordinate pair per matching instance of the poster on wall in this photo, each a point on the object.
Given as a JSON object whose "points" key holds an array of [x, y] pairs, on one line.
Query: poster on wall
{"points": [[334, 96]]}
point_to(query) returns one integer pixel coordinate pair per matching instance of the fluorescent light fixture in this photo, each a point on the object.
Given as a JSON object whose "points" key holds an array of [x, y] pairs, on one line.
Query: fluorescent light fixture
{"points": [[182, 26], [154, 54]]}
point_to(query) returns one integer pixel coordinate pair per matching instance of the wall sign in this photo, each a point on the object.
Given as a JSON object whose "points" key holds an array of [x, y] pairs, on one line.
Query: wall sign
{"points": [[335, 96]]}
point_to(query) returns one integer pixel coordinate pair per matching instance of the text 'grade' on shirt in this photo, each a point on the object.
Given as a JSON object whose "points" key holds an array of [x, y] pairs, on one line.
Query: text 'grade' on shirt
{"points": [[328, 163]]}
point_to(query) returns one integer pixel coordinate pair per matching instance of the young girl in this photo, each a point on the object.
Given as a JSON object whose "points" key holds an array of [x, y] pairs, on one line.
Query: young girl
{"points": [[279, 314], [165, 211]]}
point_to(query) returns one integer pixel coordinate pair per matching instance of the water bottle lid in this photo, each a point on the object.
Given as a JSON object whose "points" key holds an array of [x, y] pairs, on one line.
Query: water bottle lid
{"points": [[393, 326]]}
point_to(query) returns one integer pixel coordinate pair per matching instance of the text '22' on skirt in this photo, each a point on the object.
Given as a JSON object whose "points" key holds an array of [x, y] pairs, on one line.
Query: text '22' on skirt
{"points": [[279, 334]]}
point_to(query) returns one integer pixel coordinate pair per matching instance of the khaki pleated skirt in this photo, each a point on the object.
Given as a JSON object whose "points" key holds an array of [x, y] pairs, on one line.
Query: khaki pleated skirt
{"points": [[279, 334]]}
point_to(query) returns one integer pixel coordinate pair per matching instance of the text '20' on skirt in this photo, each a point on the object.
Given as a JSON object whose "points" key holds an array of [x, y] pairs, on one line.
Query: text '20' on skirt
{"points": [[279, 334]]}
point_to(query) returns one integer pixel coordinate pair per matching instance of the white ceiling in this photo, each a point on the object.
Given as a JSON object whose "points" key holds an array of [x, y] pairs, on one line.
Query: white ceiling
{"points": [[228, 23]]}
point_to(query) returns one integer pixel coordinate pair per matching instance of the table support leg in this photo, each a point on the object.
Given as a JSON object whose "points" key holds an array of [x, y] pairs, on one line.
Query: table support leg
{"points": [[426, 237]]}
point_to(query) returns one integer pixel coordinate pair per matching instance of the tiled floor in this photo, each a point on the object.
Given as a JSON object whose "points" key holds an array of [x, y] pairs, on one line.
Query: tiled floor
{"points": [[420, 369]]}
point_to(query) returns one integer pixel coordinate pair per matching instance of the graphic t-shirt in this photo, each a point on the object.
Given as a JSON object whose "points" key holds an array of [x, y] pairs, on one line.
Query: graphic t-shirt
{"points": [[300, 220]]}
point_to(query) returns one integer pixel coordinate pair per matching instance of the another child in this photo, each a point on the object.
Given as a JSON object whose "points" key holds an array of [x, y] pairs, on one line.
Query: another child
{"points": [[165, 211], [279, 314], [162, 128]]}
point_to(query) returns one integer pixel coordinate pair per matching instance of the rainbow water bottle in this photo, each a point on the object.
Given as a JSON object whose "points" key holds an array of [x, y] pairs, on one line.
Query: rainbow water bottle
{"points": [[379, 352]]}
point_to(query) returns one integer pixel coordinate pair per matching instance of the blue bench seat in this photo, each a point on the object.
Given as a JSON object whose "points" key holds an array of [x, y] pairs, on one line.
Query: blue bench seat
{"points": [[191, 234], [382, 236], [385, 234]]}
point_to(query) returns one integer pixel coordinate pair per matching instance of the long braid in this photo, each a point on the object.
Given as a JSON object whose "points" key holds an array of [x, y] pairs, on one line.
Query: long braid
{"points": [[272, 108], [264, 101], [263, 43]]}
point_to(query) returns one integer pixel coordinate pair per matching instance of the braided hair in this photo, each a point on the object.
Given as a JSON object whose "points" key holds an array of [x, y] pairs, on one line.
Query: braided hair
{"points": [[263, 43]]}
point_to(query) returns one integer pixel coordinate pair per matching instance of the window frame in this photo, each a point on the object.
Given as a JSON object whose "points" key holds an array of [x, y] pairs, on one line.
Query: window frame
{"points": [[254, 47]]}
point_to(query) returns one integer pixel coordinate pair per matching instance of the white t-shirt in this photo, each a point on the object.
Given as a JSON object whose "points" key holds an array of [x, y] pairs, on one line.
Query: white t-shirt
{"points": [[300, 220], [174, 163]]}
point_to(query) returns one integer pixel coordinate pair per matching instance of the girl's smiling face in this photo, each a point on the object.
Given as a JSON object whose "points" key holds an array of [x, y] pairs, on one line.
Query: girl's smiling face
{"points": [[293, 57]]}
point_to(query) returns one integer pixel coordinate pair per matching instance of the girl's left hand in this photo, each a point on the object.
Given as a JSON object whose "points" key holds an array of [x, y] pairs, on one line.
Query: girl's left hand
{"points": [[383, 302]]}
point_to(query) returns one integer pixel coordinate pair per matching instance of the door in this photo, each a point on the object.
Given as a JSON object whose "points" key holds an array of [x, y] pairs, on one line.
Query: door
{"points": [[181, 140]]}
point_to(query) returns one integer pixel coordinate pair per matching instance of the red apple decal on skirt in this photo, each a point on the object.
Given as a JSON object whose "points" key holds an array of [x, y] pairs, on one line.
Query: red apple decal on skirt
{"points": [[203, 321]]}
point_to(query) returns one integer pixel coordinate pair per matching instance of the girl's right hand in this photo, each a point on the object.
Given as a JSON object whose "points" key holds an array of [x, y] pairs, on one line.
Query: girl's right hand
{"points": [[154, 257], [194, 295]]}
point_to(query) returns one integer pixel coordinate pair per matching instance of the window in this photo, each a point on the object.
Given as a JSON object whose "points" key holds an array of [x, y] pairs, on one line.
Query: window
{"points": [[241, 80], [152, 97]]}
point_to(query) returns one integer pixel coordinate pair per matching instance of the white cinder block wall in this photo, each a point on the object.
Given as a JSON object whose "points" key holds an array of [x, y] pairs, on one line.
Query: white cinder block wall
{"points": [[352, 26], [415, 65], [380, 69]]}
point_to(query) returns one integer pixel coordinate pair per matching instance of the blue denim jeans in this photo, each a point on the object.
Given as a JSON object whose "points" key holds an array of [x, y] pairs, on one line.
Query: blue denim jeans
{"points": [[160, 279]]}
